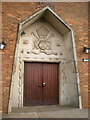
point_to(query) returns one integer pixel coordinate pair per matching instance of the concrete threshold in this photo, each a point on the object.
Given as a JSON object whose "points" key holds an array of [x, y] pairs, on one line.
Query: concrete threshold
{"points": [[50, 111]]}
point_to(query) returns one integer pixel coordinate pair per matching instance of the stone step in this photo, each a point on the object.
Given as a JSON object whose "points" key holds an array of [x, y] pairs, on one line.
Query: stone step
{"points": [[62, 113], [41, 108], [21, 115]]}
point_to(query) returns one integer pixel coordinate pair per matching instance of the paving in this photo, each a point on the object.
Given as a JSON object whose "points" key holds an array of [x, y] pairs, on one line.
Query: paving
{"points": [[50, 111]]}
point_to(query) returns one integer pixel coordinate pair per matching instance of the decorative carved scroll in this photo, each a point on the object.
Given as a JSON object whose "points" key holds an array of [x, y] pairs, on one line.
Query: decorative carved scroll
{"points": [[43, 51]]}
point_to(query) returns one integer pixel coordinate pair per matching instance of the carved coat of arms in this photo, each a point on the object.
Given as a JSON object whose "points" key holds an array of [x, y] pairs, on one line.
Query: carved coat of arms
{"points": [[42, 44]]}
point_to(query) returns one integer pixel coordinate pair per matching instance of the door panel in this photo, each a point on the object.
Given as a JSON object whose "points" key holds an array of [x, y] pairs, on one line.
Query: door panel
{"points": [[50, 77], [37, 93], [33, 78]]}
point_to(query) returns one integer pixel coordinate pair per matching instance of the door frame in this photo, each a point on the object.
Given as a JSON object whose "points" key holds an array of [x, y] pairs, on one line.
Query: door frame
{"points": [[38, 61]]}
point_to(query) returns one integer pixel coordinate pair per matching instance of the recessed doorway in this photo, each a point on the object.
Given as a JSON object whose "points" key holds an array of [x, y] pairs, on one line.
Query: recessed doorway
{"points": [[41, 84]]}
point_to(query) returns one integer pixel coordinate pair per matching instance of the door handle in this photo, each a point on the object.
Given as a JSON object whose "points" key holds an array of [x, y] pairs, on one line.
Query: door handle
{"points": [[44, 84]]}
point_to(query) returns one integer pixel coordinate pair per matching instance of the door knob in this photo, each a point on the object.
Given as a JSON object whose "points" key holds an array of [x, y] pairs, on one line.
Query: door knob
{"points": [[44, 84]]}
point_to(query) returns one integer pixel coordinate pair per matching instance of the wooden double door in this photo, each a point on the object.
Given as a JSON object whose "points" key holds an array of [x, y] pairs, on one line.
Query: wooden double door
{"points": [[41, 84]]}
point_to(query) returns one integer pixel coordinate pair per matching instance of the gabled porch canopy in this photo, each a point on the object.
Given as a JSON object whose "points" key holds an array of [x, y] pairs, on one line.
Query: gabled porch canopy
{"points": [[51, 17]]}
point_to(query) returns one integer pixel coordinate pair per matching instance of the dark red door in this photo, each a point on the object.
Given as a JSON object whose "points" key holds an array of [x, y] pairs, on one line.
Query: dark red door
{"points": [[41, 85], [50, 78], [32, 81]]}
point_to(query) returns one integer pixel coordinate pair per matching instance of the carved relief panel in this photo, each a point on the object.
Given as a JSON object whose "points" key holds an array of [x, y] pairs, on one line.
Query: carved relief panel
{"points": [[40, 39], [41, 43]]}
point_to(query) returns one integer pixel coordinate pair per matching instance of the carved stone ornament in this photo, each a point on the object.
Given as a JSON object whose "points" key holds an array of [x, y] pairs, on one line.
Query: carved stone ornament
{"points": [[42, 44], [37, 52], [58, 45], [22, 51], [61, 53], [25, 41], [64, 73]]}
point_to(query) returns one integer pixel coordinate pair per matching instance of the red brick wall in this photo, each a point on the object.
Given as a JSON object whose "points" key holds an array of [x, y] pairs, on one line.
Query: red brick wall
{"points": [[89, 54], [0, 63], [74, 14]]}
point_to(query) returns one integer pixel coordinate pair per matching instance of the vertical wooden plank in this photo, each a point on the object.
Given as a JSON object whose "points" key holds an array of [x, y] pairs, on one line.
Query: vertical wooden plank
{"points": [[32, 80], [35, 75], [50, 77]]}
